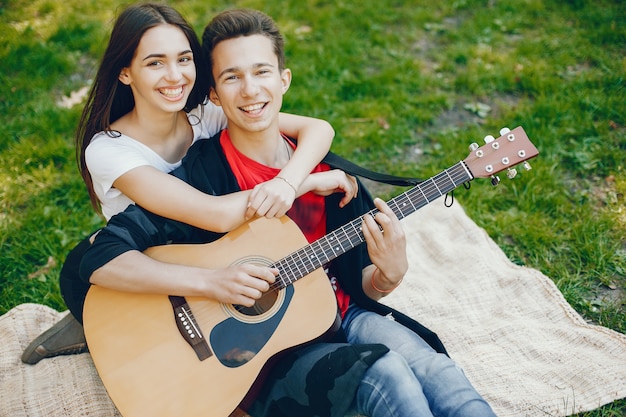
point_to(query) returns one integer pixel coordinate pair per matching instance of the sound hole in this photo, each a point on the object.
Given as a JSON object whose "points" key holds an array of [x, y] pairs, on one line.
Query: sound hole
{"points": [[262, 305]]}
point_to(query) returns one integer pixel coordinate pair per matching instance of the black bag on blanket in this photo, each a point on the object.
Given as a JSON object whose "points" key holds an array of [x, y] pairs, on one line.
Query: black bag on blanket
{"points": [[316, 381]]}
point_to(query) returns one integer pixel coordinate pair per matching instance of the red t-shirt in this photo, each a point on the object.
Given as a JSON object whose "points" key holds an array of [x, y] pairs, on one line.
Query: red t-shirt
{"points": [[308, 211]]}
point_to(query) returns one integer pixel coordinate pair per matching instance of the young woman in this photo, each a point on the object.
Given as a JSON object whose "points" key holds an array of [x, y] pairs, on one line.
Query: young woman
{"points": [[147, 106]]}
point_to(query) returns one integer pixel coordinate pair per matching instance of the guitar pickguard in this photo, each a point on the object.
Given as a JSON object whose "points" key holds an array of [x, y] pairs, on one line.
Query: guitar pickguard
{"points": [[236, 342]]}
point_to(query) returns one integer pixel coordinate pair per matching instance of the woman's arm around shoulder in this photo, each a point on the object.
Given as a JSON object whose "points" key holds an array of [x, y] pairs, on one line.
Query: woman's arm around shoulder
{"points": [[273, 198], [170, 197]]}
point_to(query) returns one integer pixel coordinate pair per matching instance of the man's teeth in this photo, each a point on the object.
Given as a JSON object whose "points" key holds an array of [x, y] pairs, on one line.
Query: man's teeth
{"points": [[254, 107], [172, 92]]}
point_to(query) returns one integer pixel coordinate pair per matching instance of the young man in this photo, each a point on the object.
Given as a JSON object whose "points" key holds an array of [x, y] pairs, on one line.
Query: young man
{"points": [[407, 372]]}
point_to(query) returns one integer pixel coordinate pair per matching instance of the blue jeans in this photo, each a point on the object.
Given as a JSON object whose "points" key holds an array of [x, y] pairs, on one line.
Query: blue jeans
{"points": [[412, 380]]}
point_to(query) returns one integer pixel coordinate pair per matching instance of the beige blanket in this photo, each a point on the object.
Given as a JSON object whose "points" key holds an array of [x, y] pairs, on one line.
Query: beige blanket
{"points": [[524, 348]]}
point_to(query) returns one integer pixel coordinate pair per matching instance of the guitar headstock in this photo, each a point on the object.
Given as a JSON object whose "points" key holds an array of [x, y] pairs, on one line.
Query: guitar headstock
{"points": [[504, 153]]}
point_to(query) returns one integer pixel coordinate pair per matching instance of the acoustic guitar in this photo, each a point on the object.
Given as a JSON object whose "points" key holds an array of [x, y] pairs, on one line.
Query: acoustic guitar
{"points": [[164, 356]]}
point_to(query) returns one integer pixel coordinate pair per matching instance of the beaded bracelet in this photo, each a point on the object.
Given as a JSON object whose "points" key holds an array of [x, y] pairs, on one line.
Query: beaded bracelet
{"points": [[288, 183], [378, 289]]}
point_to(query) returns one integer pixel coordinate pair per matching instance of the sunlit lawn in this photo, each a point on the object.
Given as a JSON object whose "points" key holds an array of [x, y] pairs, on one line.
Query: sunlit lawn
{"points": [[407, 86]]}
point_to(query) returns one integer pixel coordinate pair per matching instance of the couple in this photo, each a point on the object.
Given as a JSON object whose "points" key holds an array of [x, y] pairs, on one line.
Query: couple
{"points": [[401, 373]]}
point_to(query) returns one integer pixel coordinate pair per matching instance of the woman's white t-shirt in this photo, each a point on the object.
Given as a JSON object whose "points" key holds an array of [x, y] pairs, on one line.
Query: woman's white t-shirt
{"points": [[108, 158]]}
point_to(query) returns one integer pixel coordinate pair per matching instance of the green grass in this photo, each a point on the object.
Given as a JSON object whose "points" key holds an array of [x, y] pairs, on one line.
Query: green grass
{"points": [[408, 85]]}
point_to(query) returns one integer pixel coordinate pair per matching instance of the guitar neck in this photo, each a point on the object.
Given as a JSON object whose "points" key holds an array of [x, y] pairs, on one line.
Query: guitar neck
{"points": [[313, 256]]}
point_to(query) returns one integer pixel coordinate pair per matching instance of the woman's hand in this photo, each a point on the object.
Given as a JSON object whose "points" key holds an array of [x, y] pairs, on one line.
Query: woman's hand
{"points": [[330, 182], [275, 197], [271, 198]]}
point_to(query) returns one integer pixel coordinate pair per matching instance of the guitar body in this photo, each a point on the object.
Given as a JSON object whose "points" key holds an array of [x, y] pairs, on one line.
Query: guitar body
{"points": [[149, 369]]}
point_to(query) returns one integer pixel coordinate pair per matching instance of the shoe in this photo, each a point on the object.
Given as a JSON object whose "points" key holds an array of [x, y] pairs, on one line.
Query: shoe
{"points": [[64, 338]]}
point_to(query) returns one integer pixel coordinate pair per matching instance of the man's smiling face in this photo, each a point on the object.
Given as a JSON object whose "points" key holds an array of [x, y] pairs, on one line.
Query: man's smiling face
{"points": [[249, 84]]}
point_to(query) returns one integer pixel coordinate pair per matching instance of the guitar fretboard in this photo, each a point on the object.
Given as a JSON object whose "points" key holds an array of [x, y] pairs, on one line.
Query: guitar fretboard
{"points": [[309, 258]]}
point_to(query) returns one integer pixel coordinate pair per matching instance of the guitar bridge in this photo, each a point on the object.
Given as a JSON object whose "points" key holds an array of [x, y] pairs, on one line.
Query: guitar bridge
{"points": [[188, 327]]}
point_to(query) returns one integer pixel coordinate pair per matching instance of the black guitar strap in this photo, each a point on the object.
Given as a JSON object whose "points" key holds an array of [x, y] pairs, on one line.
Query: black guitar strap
{"points": [[351, 168]]}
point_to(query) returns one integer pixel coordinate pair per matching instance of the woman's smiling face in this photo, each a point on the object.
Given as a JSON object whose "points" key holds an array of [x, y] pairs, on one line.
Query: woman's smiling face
{"points": [[162, 72]]}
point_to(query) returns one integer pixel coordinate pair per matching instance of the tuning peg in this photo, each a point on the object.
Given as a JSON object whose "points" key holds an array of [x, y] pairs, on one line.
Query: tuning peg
{"points": [[527, 166], [495, 180], [511, 173], [504, 131], [473, 146], [489, 139]]}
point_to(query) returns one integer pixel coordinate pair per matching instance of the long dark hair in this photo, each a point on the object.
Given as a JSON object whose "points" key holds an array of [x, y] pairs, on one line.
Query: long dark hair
{"points": [[108, 98]]}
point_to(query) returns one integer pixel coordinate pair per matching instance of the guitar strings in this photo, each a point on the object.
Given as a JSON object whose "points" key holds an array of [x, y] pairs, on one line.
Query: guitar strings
{"points": [[306, 260], [350, 235], [309, 258]]}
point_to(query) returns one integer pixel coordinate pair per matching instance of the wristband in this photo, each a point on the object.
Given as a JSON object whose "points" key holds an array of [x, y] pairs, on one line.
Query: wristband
{"points": [[378, 289], [288, 183]]}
